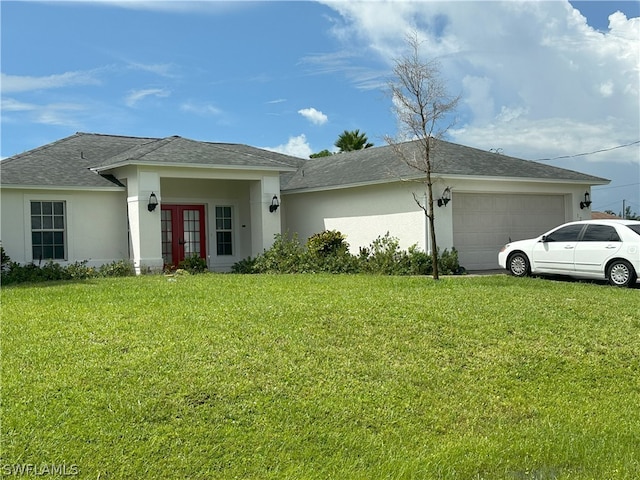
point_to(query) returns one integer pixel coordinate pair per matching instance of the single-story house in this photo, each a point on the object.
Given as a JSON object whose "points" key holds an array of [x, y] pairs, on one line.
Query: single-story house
{"points": [[155, 201]]}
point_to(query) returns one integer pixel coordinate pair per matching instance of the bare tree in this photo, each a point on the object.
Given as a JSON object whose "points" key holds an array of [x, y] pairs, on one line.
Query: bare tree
{"points": [[421, 105]]}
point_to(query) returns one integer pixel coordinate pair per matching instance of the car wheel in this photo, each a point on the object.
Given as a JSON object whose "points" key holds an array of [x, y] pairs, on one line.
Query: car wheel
{"points": [[518, 265], [620, 273]]}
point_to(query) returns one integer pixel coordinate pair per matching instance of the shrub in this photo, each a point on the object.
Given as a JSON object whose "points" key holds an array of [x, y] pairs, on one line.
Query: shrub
{"points": [[449, 264], [194, 264], [326, 243], [5, 259], [13, 272], [286, 255], [419, 262], [80, 271], [16, 273], [117, 268], [246, 265], [383, 256], [328, 252]]}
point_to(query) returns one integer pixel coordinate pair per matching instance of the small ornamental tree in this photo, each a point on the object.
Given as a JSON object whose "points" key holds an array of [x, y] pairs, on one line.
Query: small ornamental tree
{"points": [[421, 105]]}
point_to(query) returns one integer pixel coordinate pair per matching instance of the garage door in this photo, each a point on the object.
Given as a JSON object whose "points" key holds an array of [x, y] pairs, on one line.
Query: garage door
{"points": [[483, 223]]}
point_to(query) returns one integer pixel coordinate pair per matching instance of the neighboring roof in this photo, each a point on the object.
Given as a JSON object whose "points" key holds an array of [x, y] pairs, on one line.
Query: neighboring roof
{"points": [[77, 160], [383, 164], [603, 216]]}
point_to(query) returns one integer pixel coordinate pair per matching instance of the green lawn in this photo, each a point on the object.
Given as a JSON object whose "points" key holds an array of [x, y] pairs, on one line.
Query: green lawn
{"points": [[319, 376]]}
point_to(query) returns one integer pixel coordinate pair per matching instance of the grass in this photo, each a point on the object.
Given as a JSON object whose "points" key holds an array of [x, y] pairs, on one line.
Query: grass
{"points": [[319, 376]]}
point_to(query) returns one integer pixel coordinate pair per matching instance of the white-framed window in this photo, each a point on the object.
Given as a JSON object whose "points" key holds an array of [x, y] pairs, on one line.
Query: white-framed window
{"points": [[48, 230], [224, 230]]}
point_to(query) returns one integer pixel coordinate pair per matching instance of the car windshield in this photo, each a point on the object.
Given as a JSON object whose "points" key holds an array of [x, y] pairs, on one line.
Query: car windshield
{"points": [[635, 228]]}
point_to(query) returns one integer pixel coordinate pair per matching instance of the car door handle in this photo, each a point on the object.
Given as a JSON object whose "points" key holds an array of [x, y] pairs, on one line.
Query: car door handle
{"points": [[568, 247], [610, 247]]}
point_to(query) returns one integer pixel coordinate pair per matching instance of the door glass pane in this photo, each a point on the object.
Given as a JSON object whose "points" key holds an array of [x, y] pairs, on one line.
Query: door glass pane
{"points": [[167, 237], [191, 225], [600, 233], [565, 234]]}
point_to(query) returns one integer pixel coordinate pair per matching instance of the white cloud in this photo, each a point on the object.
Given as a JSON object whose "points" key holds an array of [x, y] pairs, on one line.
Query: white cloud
{"points": [[21, 83], [534, 78], [12, 105], [136, 96], [59, 114], [162, 69], [296, 147], [606, 89], [314, 116], [200, 109]]}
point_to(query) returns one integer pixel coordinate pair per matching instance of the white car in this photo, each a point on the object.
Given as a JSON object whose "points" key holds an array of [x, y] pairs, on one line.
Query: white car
{"points": [[597, 249]]}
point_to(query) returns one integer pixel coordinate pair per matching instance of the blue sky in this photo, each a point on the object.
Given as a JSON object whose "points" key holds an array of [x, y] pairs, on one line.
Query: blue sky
{"points": [[537, 80]]}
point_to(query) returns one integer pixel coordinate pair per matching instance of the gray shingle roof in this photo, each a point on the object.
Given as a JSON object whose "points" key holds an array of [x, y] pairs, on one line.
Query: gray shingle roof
{"points": [[76, 160], [383, 164], [182, 151]]}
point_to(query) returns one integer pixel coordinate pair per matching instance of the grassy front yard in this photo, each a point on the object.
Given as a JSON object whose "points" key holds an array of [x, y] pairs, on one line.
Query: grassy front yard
{"points": [[318, 376]]}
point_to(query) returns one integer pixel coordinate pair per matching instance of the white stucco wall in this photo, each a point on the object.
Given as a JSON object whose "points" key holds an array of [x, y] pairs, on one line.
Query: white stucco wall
{"points": [[366, 213], [96, 224]]}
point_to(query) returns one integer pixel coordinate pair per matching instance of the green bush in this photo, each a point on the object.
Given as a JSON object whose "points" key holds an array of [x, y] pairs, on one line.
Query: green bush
{"points": [[194, 264], [419, 262], [328, 252], [449, 264], [16, 273], [326, 243], [383, 256], [117, 268], [5, 259], [80, 271], [246, 265], [286, 255], [13, 272]]}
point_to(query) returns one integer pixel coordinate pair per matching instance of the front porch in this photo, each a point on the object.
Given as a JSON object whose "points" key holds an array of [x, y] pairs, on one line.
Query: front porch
{"points": [[222, 220]]}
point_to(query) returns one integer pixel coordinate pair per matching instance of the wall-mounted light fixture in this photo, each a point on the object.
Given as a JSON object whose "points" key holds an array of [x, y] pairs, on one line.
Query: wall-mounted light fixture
{"points": [[587, 201], [274, 204], [445, 198], [153, 202]]}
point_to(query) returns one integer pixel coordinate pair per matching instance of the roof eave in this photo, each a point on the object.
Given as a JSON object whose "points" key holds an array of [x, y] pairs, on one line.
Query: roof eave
{"points": [[594, 181], [91, 188], [103, 168]]}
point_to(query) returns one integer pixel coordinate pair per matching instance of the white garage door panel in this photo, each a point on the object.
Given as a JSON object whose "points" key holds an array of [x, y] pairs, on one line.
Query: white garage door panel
{"points": [[482, 223]]}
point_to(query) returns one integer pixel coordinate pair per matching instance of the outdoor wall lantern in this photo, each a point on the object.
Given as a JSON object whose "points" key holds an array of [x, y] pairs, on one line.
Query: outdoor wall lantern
{"points": [[274, 204], [446, 197], [586, 202], [153, 202]]}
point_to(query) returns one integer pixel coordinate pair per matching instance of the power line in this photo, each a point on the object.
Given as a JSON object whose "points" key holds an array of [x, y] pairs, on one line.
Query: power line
{"points": [[588, 153], [617, 186]]}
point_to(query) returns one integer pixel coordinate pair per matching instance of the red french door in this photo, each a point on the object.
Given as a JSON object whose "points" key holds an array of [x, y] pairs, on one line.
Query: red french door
{"points": [[183, 233]]}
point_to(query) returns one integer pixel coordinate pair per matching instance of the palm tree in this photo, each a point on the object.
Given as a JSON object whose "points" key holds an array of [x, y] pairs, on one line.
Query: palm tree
{"points": [[354, 140]]}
